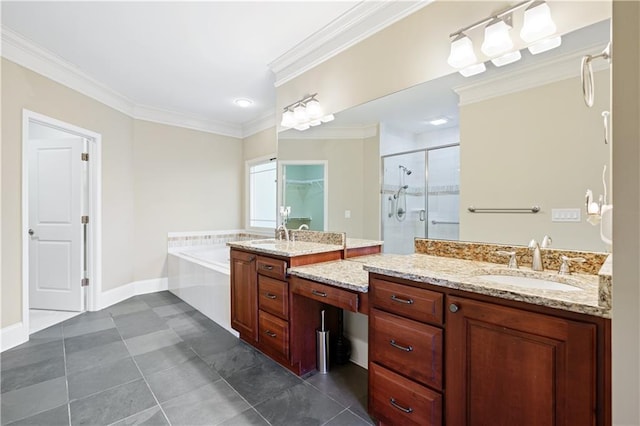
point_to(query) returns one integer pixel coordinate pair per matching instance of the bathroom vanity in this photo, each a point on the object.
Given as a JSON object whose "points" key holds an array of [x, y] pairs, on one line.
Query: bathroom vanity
{"points": [[446, 344]]}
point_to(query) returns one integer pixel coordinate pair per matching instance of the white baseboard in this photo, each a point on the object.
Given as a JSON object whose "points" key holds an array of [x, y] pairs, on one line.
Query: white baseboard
{"points": [[359, 352], [118, 294], [13, 335]]}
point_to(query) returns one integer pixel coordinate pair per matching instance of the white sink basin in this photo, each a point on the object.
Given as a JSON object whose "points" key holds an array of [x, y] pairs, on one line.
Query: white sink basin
{"points": [[528, 282]]}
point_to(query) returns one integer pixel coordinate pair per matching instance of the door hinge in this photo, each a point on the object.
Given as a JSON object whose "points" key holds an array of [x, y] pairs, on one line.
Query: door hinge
{"points": [[84, 219], [85, 156], [84, 282]]}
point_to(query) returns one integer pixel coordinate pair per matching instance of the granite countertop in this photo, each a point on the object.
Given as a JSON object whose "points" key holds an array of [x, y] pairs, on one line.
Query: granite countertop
{"points": [[459, 274], [284, 248], [353, 243]]}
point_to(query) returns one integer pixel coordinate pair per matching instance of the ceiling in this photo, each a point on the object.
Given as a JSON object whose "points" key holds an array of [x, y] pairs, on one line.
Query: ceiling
{"points": [[189, 58]]}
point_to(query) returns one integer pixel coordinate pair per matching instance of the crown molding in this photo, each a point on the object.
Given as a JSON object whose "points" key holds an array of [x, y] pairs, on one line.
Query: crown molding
{"points": [[543, 72], [24, 52], [321, 132], [355, 25], [267, 121]]}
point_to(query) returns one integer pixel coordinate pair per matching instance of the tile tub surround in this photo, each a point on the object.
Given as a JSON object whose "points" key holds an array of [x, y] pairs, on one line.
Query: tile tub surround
{"points": [[463, 275], [285, 248], [182, 370], [206, 238], [486, 252]]}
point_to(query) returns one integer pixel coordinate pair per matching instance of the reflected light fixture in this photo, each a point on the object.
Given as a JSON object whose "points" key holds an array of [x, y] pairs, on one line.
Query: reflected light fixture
{"points": [[438, 121], [537, 32], [304, 114]]}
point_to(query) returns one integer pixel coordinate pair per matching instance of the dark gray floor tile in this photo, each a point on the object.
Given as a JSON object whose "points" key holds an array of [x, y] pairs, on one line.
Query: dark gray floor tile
{"points": [[126, 307], [186, 326], [249, 417], [347, 418], [173, 309], [183, 378], [112, 405], [238, 358], [49, 334], [139, 323], [164, 358], [91, 340], [150, 417], [88, 326], [86, 316], [21, 356], [101, 377], [58, 416], [299, 405], [208, 405], [261, 382], [88, 358], [159, 299], [16, 378], [344, 383], [213, 343], [150, 342], [30, 400], [359, 408]]}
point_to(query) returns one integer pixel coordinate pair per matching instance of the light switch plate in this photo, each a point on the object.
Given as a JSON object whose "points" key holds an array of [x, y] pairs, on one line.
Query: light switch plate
{"points": [[565, 215], [347, 214]]}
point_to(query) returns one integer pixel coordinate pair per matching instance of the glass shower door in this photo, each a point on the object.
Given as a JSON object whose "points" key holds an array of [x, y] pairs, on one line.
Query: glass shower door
{"points": [[443, 192]]}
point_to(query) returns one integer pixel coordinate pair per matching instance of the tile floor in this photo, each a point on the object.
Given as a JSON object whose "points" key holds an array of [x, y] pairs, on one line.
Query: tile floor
{"points": [[154, 360]]}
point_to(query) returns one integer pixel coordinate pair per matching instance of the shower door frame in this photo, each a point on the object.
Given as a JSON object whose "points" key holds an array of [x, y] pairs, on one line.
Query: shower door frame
{"points": [[426, 182]]}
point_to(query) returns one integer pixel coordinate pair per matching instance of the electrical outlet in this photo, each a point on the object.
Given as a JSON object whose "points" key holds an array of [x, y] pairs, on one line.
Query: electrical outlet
{"points": [[565, 215]]}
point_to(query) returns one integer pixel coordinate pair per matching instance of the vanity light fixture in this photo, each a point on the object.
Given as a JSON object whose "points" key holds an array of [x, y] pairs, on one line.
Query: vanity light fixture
{"points": [[537, 31], [304, 114]]}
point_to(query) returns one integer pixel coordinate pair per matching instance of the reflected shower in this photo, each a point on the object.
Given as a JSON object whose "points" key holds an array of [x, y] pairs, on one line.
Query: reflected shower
{"points": [[404, 169]]}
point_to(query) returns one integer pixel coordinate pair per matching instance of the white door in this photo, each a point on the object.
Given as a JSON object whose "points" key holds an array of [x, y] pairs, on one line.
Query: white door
{"points": [[55, 209]]}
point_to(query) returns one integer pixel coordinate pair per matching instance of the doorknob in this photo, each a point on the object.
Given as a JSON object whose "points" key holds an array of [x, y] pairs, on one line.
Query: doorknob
{"points": [[31, 232]]}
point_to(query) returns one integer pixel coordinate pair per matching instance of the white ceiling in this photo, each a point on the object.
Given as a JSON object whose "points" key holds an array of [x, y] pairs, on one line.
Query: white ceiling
{"points": [[192, 58]]}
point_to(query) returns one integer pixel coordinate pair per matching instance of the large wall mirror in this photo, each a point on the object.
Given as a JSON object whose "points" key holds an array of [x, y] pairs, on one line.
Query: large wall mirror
{"points": [[517, 136]]}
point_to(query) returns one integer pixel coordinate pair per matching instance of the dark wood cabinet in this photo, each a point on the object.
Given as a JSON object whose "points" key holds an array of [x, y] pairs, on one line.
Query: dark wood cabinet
{"points": [[244, 292], [507, 366]]}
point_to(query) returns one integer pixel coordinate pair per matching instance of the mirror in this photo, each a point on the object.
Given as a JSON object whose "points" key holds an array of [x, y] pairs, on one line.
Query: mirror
{"points": [[303, 194], [525, 139]]}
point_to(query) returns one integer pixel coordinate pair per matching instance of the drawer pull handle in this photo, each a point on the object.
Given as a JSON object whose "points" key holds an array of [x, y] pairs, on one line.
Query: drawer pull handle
{"points": [[400, 407], [270, 333], [402, 348], [400, 300], [267, 267], [252, 258], [270, 296], [318, 293]]}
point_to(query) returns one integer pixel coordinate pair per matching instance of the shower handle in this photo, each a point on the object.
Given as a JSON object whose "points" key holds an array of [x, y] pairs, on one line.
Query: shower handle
{"points": [[423, 215]]}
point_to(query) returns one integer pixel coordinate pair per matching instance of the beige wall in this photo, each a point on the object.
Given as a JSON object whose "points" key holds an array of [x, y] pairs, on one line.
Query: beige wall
{"points": [[540, 146], [261, 144], [22, 88], [184, 180], [626, 224], [346, 178]]}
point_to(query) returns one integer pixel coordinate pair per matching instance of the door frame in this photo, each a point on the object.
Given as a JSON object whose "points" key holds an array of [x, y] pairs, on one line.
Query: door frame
{"points": [[94, 246]]}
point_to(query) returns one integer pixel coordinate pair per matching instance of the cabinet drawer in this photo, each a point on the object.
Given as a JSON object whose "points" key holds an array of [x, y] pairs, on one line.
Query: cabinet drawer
{"points": [[399, 401], [272, 267], [325, 293], [273, 333], [416, 303], [273, 296], [407, 347]]}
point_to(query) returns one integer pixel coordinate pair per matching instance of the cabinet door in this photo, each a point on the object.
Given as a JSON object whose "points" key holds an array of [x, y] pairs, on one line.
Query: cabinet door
{"points": [[505, 366], [244, 294]]}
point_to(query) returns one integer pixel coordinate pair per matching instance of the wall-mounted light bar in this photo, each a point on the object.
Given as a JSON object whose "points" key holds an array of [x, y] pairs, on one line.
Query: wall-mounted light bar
{"points": [[304, 114]]}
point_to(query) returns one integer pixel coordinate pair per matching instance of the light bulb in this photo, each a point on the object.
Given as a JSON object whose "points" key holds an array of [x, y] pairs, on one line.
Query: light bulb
{"points": [[509, 58], [473, 70], [315, 123], [544, 45], [537, 22], [288, 120], [496, 38], [314, 111], [327, 118], [300, 114], [462, 54], [302, 127]]}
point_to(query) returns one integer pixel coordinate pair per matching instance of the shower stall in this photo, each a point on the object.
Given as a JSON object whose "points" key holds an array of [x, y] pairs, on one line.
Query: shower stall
{"points": [[420, 196]]}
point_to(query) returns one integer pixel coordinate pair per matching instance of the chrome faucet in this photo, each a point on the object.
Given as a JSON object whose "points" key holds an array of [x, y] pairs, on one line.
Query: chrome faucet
{"points": [[303, 226], [282, 227], [536, 261]]}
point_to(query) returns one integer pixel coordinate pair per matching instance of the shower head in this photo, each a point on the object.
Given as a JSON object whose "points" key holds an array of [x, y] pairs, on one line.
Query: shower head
{"points": [[407, 171]]}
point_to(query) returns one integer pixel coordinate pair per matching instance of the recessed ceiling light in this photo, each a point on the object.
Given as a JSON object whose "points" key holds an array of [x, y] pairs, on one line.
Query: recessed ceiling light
{"points": [[438, 121], [243, 102]]}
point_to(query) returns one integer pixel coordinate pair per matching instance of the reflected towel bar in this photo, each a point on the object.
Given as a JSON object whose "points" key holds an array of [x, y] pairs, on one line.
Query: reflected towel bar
{"points": [[534, 209], [444, 222]]}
